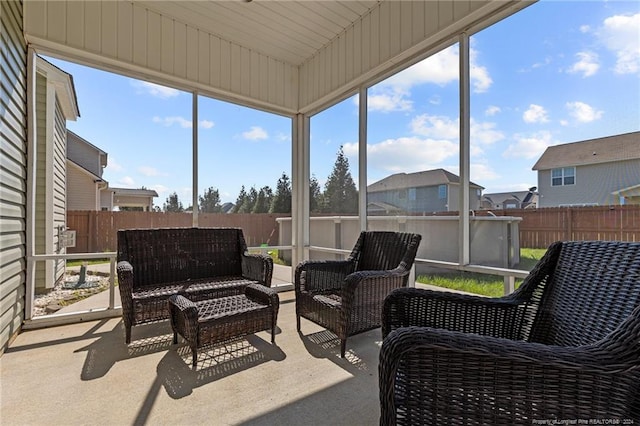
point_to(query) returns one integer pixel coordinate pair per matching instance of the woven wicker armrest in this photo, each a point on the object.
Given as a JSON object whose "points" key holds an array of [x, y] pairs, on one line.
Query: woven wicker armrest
{"points": [[549, 381], [258, 267], [498, 317], [261, 294], [321, 275], [124, 271], [372, 285], [125, 274], [184, 316]]}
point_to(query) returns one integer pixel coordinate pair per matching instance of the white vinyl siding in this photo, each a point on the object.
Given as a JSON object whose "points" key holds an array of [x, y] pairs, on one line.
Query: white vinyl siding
{"points": [[42, 215], [82, 193], [13, 170], [595, 184], [380, 40], [50, 199], [58, 189], [125, 33]]}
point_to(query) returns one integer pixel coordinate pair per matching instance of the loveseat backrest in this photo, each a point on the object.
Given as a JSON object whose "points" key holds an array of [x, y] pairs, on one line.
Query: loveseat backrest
{"points": [[179, 254], [384, 250], [595, 286]]}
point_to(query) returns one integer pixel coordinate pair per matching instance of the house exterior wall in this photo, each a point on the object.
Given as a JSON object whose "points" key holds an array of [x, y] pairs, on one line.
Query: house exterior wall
{"points": [[50, 199], [13, 173], [58, 190], [82, 193], [593, 184], [41, 198], [106, 200], [84, 154], [427, 199], [133, 201], [117, 32]]}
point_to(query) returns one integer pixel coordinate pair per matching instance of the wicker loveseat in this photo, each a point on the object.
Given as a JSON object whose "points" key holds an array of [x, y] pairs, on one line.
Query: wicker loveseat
{"points": [[198, 263], [564, 347], [346, 296]]}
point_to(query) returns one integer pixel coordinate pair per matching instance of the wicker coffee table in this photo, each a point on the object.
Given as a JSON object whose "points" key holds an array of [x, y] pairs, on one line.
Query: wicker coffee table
{"points": [[216, 320]]}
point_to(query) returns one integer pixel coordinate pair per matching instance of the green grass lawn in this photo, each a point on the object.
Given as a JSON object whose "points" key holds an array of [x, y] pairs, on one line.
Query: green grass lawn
{"points": [[486, 285], [79, 262]]}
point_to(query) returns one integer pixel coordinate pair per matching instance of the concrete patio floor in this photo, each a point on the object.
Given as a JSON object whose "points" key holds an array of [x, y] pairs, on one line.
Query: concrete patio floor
{"points": [[85, 374]]}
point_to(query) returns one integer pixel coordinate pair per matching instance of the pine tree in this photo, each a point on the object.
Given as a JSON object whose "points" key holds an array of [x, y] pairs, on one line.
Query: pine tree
{"points": [[340, 192], [282, 199], [210, 201], [240, 200], [173, 204], [249, 201], [263, 202], [315, 195]]}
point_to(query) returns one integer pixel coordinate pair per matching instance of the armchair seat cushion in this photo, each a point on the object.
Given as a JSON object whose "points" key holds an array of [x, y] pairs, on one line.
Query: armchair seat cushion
{"points": [[330, 300]]}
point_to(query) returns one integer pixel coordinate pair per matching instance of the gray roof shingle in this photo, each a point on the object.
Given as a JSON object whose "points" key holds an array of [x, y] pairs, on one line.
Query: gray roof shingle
{"points": [[416, 180], [593, 151]]}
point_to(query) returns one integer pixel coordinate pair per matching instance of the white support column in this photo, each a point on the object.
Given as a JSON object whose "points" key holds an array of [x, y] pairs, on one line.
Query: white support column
{"points": [[465, 123], [194, 185], [362, 159], [31, 183], [300, 189]]}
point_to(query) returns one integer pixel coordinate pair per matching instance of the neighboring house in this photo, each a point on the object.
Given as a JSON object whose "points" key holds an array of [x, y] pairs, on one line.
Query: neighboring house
{"points": [[602, 171], [510, 200], [87, 190], [56, 102], [227, 207], [421, 192], [86, 163], [138, 199]]}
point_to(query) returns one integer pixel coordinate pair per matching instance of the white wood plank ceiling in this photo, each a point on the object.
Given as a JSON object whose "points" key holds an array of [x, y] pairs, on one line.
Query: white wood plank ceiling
{"points": [[291, 31]]}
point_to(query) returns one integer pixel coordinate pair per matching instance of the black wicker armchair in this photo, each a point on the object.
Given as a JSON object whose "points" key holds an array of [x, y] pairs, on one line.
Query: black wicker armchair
{"points": [[346, 296], [564, 347]]}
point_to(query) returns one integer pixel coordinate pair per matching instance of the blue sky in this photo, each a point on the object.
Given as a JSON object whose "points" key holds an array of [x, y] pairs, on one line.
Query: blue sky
{"points": [[557, 72]]}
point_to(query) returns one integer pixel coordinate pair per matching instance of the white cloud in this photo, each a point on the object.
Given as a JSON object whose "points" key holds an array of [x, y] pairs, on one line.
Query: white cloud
{"points": [[407, 154], [256, 133], [535, 114], [441, 69], [170, 121], [582, 112], [434, 126], [126, 182], [163, 192], [585, 29], [587, 64], [384, 99], [492, 110], [206, 124], [162, 92], [484, 133], [441, 127], [481, 172], [149, 171], [621, 35], [113, 165], [528, 146], [479, 75]]}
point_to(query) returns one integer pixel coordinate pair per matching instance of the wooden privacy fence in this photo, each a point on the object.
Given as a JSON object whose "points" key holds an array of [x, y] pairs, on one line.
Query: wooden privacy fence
{"points": [[541, 227], [97, 231]]}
